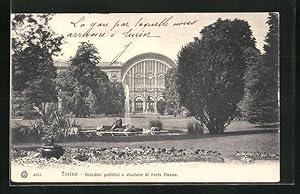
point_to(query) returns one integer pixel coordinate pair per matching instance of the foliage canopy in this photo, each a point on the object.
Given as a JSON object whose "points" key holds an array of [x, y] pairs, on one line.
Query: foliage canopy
{"points": [[211, 72]]}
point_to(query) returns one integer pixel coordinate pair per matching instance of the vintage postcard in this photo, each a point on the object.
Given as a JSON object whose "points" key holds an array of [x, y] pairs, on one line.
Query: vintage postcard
{"points": [[144, 98]]}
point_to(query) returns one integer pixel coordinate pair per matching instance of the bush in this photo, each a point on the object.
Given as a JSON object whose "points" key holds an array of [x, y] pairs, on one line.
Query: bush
{"points": [[155, 123], [185, 112], [25, 133], [195, 127], [170, 111], [57, 127], [161, 106], [53, 127]]}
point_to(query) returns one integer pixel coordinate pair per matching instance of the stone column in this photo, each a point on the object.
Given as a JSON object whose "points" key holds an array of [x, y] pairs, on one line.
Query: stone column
{"points": [[155, 86], [144, 74], [145, 103], [132, 105], [133, 78], [155, 102], [144, 88], [133, 89], [126, 98], [155, 75]]}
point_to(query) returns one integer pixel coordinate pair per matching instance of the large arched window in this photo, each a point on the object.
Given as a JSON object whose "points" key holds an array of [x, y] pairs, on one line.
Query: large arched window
{"points": [[150, 103], [146, 72], [139, 82], [139, 104], [128, 81], [161, 81], [139, 67], [161, 98], [150, 81]]}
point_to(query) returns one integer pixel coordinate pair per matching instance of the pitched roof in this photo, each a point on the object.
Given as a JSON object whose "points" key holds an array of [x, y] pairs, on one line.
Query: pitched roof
{"points": [[62, 64]]}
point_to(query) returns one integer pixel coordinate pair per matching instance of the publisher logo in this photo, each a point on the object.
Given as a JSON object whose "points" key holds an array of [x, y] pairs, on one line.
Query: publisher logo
{"points": [[24, 174]]}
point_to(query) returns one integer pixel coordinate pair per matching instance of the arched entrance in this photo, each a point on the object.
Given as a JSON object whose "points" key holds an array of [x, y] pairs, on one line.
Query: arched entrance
{"points": [[139, 104], [150, 104], [143, 76]]}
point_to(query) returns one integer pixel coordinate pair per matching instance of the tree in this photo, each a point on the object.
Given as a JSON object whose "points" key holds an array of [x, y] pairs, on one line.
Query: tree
{"points": [[161, 106], [83, 68], [260, 103], [171, 91], [33, 71], [65, 86], [77, 103], [92, 103], [83, 81], [116, 98], [211, 71], [248, 105]]}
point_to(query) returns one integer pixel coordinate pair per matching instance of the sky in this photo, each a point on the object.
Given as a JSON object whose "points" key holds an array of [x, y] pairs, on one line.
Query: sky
{"points": [[112, 31]]}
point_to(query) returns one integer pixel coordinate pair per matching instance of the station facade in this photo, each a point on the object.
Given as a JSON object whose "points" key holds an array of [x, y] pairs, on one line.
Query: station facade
{"points": [[142, 77]]}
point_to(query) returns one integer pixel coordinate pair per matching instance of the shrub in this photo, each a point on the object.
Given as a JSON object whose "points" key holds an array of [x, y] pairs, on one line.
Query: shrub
{"points": [[53, 127], [170, 111], [155, 123], [194, 127], [25, 133], [161, 106], [57, 127], [185, 112]]}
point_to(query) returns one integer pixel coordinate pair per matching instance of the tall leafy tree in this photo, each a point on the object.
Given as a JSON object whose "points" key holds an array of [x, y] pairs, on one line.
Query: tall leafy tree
{"points": [[262, 84], [77, 103], [161, 106], [211, 72], [171, 90], [92, 103], [249, 105], [84, 67], [116, 98], [84, 80], [86, 72], [70, 93], [34, 44]]}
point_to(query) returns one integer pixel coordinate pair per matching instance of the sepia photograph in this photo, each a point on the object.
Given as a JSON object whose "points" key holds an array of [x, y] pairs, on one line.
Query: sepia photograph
{"points": [[145, 98]]}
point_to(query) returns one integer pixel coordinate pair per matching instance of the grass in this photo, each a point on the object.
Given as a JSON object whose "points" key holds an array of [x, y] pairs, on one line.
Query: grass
{"points": [[227, 145]]}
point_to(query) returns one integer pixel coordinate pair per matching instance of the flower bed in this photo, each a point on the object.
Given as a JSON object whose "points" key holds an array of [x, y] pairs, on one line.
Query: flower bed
{"points": [[117, 156], [250, 157], [133, 155]]}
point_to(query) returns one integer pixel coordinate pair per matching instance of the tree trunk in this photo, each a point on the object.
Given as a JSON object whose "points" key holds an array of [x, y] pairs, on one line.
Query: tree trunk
{"points": [[215, 126]]}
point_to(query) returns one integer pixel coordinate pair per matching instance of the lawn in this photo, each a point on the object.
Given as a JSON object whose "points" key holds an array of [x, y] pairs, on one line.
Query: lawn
{"points": [[227, 145], [232, 170]]}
